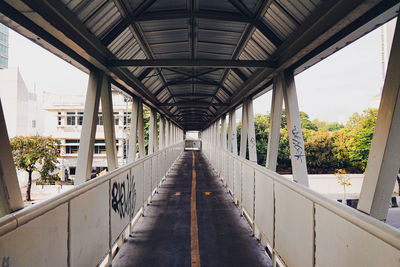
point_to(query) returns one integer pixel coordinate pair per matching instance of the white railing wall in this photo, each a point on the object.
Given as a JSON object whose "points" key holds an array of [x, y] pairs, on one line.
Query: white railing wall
{"points": [[80, 227], [300, 227]]}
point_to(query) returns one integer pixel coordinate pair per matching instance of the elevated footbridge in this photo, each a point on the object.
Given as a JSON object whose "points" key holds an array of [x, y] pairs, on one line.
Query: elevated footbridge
{"points": [[193, 64]]}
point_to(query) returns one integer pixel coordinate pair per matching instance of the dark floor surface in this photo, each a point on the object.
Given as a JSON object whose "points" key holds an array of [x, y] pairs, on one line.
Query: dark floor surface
{"points": [[162, 237]]}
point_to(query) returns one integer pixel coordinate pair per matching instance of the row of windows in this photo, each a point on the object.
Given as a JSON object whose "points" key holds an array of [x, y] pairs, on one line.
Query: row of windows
{"points": [[3, 37], [76, 118], [3, 50], [98, 149], [3, 61]]}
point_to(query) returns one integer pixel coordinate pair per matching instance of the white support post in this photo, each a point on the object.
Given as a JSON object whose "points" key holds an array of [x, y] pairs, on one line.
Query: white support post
{"points": [[384, 157], [243, 133], [296, 141], [140, 130], [162, 133], [10, 193], [155, 133], [234, 134], [150, 147], [166, 132], [275, 125], [229, 145], [88, 132], [133, 131], [108, 119], [223, 132], [251, 133], [218, 132]]}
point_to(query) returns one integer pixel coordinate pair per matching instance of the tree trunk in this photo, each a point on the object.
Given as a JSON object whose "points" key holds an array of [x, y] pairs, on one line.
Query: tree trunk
{"points": [[28, 188]]}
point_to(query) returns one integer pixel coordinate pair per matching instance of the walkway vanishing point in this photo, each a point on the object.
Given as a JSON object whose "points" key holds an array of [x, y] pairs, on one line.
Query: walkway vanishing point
{"points": [[192, 222]]}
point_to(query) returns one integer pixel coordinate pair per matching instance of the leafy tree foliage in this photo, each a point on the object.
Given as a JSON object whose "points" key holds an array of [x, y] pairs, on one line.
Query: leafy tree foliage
{"points": [[328, 145], [35, 153]]}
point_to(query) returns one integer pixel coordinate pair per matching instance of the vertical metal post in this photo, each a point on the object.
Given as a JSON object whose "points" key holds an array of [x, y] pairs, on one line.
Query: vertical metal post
{"points": [[251, 134], [150, 147], [243, 133], [109, 128], [234, 135], [140, 130], [296, 141], [133, 131], [10, 193], [230, 132], [275, 125], [90, 117], [384, 157], [162, 133], [223, 132]]}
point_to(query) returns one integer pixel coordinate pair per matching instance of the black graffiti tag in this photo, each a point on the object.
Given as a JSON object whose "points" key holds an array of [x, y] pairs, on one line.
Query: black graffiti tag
{"points": [[297, 144], [6, 262], [123, 199]]}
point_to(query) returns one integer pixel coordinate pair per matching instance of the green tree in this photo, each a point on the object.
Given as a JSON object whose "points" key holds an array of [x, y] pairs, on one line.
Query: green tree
{"points": [[35, 153]]}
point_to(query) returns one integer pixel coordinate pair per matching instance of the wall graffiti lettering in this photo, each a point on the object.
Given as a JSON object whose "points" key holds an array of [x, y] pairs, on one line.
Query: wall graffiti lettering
{"points": [[298, 144], [124, 197], [252, 143], [6, 262]]}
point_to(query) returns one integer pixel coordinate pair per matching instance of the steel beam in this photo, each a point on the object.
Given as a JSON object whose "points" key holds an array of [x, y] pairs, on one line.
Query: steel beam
{"points": [[198, 63], [384, 157]]}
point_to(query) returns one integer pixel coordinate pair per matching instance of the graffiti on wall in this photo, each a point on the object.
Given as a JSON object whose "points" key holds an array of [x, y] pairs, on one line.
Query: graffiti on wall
{"points": [[298, 144], [123, 195], [6, 262]]}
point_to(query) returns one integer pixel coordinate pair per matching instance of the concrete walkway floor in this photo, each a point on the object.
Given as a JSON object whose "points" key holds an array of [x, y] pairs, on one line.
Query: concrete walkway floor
{"points": [[181, 228]]}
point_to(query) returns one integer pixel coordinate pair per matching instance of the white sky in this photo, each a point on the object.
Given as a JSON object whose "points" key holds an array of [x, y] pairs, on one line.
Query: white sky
{"points": [[331, 90]]}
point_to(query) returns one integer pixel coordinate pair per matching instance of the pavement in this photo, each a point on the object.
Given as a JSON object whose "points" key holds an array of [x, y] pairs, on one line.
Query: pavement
{"points": [[186, 227]]}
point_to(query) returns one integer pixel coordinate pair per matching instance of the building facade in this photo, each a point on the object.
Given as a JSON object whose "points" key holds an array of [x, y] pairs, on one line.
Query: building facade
{"points": [[3, 47], [63, 118]]}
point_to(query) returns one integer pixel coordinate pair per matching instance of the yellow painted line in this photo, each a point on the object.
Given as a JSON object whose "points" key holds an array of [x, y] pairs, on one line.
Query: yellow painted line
{"points": [[207, 193], [177, 193], [194, 228]]}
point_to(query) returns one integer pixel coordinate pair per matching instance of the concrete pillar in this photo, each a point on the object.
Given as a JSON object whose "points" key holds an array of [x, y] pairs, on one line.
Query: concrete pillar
{"points": [[162, 133], [384, 157], [108, 121], [223, 132], [251, 133], [90, 117], [140, 130], [10, 193], [229, 141], [150, 148], [155, 133], [218, 132], [133, 131], [275, 125], [234, 134], [296, 141], [243, 133]]}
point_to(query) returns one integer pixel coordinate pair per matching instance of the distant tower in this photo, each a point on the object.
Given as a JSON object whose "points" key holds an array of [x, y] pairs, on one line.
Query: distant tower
{"points": [[3, 47]]}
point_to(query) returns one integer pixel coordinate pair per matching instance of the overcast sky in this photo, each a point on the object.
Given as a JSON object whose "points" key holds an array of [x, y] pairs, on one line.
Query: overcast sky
{"points": [[331, 90]]}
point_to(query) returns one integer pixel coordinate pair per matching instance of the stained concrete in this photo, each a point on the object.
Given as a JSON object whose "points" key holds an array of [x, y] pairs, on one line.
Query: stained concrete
{"points": [[162, 236]]}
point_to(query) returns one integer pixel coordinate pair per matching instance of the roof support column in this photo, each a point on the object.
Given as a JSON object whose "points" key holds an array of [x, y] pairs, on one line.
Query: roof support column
{"points": [[88, 132], [218, 132], [109, 128], [275, 125], [223, 132], [232, 129], [296, 141], [140, 130], [10, 193], [384, 157], [251, 133], [243, 133], [150, 148], [133, 131], [162, 133]]}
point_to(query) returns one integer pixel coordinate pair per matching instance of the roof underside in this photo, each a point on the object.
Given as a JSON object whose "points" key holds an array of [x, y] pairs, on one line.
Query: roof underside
{"points": [[193, 60]]}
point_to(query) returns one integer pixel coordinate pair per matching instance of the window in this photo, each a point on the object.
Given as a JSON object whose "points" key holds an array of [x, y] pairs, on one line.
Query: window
{"points": [[100, 119], [72, 141], [116, 118], [71, 118], [59, 118], [127, 118], [99, 149], [72, 170], [71, 149], [80, 118]]}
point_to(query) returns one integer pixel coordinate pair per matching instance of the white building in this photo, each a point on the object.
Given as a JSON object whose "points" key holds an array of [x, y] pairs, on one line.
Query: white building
{"points": [[63, 117], [21, 108]]}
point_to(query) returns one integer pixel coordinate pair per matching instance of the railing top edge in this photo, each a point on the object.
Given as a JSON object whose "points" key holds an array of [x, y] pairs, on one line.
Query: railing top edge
{"points": [[373, 226], [11, 221]]}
